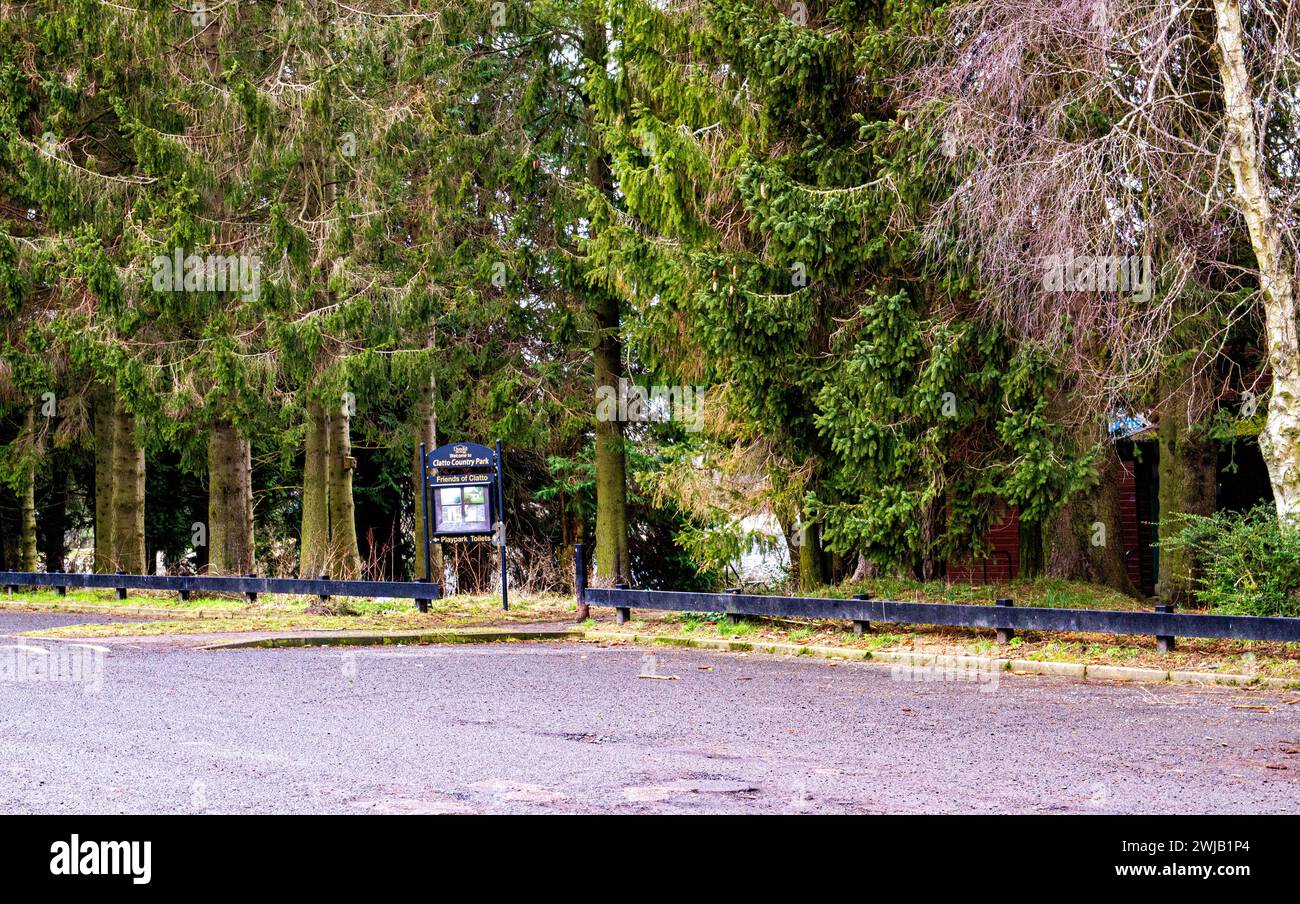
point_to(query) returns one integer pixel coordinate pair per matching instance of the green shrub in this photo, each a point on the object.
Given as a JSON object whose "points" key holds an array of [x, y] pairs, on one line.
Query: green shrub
{"points": [[1249, 564]]}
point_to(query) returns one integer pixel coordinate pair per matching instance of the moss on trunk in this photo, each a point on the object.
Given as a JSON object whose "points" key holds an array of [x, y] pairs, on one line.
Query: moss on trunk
{"points": [[104, 432], [230, 501], [128, 493], [812, 574], [27, 497], [612, 556], [426, 433], [313, 551], [345, 558]]}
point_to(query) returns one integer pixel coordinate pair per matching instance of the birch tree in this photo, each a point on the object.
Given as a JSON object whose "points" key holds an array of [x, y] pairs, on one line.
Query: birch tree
{"points": [[1130, 130]]}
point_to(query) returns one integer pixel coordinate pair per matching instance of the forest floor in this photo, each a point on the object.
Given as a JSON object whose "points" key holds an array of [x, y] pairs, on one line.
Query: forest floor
{"points": [[235, 615]]}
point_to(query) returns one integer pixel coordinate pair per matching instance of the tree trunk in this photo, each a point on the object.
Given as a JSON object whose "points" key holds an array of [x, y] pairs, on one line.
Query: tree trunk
{"points": [[27, 497], [313, 552], [104, 431], [612, 558], [426, 433], [230, 501], [344, 555], [811, 572], [128, 494], [612, 555], [1084, 541], [1280, 440], [1187, 468]]}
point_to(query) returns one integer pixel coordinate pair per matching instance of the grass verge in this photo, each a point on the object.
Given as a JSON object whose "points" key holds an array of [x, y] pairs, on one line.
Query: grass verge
{"points": [[286, 615]]}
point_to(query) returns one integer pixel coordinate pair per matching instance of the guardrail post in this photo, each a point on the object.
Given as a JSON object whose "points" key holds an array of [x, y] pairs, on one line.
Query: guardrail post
{"points": [[251, 595], [622, 614], [323, 597], [580, 580], [1005, 634], [61, 591], [121, 591], [185, 594], [1164, 642], [860, 627]]}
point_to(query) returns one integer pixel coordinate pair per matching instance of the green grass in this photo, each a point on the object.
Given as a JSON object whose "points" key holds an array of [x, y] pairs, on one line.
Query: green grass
{"points": [[1061, 651], [485, 604], [149, 599], [280, 613], [693, 621], [1049, 592], [730, 626]]}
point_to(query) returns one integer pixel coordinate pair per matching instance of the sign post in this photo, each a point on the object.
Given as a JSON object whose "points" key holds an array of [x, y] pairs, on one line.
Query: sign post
{"points": [[424, 509], [500, 526], [468, 503]]}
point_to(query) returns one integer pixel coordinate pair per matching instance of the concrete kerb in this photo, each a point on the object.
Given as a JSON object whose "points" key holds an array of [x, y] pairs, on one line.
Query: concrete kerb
{"points": [[441, 636]]}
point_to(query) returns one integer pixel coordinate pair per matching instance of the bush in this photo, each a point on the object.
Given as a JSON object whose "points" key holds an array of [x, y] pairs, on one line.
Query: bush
{"points": [[1249, 564]]}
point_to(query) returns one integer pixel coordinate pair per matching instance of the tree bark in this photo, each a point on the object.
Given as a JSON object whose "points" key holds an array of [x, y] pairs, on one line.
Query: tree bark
{"points": [[128, 494], [612, 555], [1280, 439], [1084, 541], [313, 552], [1187, 468], [230, 501], [344, 554], [811, 572], [104, 432], [27, 497], [426, 433]]}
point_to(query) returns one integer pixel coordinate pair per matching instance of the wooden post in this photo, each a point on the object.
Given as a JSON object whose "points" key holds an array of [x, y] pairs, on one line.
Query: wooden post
{"points": [[622, 614], [1005, 634], [860, 626], [580, 580], [1165, 642]]}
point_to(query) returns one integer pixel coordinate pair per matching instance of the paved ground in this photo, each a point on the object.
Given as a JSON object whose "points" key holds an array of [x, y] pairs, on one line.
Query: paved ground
{"points": [[545, 727]]}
